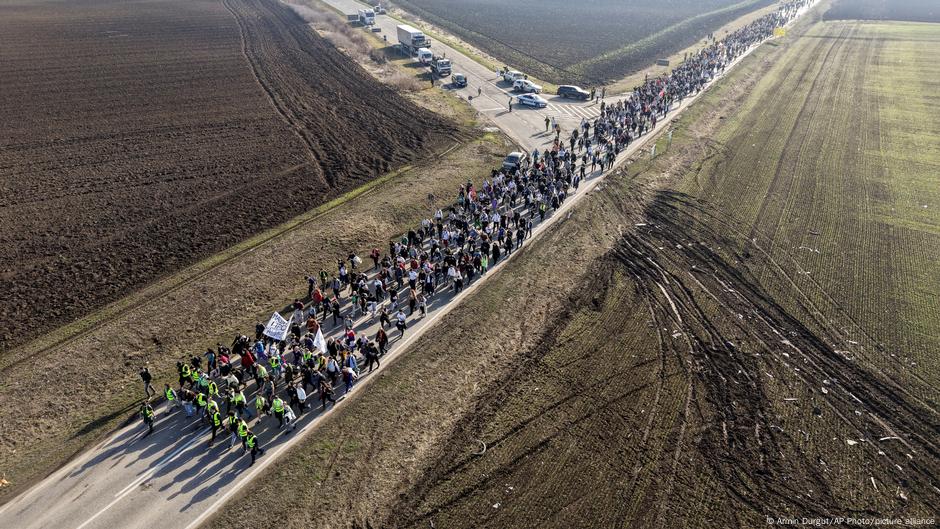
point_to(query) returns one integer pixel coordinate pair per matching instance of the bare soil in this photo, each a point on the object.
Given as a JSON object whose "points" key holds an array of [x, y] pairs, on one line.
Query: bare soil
{"points": [[139, 138], [653, 362], [702, 381], [52, 399]]}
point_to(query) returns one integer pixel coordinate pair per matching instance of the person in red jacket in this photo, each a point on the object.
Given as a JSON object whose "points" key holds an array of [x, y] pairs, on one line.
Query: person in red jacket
{"points": [[248, 361]]}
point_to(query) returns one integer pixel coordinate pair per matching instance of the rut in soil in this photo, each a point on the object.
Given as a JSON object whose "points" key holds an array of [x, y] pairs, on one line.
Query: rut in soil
{"points": [[744, 346]]}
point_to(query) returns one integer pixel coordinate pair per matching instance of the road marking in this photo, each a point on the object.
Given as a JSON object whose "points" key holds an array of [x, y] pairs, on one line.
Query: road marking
{"points": [[590, 185], [159, 465], [147, 475]]}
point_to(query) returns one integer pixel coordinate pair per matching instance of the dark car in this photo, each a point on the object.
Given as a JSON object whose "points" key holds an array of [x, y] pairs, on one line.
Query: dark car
{"points": [[459, 80], [573, 92]]}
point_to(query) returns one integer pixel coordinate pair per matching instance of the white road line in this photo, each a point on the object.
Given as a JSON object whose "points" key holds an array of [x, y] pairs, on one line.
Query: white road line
{"points": [[147, 475], [586, 112], [556, 217]]}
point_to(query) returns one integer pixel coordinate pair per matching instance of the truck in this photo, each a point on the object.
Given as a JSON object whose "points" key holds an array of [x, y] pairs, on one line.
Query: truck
{"points": [[366, 17], [440, 66], [412, 39]]}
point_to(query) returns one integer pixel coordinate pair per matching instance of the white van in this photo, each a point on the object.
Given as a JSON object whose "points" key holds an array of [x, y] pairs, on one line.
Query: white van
{"points": [[425, 56]]}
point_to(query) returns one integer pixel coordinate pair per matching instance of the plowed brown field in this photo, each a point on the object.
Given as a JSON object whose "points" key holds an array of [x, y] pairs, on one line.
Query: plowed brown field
{"points": [[141, 136], [671, 355]]}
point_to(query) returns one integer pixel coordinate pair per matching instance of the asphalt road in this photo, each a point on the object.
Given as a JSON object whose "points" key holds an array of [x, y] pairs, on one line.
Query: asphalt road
{"points": [[525, 125], [171, 478]]}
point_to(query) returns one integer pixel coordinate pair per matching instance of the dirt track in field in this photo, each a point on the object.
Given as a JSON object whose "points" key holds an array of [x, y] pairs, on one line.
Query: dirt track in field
{"points": [[653, 361], [703, 377], [679, 393], [139, 138]]}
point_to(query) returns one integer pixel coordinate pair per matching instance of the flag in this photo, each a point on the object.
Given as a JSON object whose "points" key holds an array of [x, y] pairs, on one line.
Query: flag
{"points": [[277, 327], [319, 342]]}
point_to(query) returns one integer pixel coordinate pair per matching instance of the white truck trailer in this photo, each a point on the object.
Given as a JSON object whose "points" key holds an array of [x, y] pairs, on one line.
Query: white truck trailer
{"points": [[412, 39]]}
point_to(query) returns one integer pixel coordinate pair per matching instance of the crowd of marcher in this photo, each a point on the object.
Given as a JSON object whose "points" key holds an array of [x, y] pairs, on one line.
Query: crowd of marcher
{"points": [[231, 389], [621, 123]]}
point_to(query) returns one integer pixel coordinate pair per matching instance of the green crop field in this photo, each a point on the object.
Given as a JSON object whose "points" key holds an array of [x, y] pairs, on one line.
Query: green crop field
{"points": [[587, 42]]}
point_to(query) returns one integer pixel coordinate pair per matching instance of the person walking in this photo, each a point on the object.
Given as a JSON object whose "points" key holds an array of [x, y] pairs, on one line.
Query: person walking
{"points": [[243, 434], [261, 406], [216, 423], [146, 413], [277, 405], [510, 103], [547, 121], [401, 323], [147, 378], [231, 423], [326, 392], [201, 403], [171, 399], [241, 404], [253, 446], [381, 339], [372, 356]]}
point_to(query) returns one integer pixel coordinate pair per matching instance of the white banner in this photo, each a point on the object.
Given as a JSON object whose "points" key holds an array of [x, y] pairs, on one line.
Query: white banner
{"points": [[277, 327], [319, 342]]}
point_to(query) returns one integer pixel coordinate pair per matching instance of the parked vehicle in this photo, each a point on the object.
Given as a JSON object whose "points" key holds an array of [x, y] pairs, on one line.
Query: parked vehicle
{"points": [[412, 39], [511, 76], [573, 92], [440, 66], [532, 100], [366, 17], [425, 56], [459, 80], [513, 160], [526, 86]]}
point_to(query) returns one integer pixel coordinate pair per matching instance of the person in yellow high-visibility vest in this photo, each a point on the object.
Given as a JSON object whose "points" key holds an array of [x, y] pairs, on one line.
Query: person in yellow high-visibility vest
{"points": [[231, 422], [216, 422], [146, 412], [243, 433], [261, 405], [184, 372], [252, 443], [202, 403], [172, 401], [278, 406], [241, 404]]}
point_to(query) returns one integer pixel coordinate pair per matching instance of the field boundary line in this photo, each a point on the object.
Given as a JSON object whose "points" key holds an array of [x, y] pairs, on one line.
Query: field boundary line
{"points": [[125, 306], [639, 44]]}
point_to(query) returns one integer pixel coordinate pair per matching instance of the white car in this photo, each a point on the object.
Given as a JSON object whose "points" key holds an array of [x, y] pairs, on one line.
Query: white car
{"points": [[526, 86], [511, 76], [513, 160], [532, 100]]}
